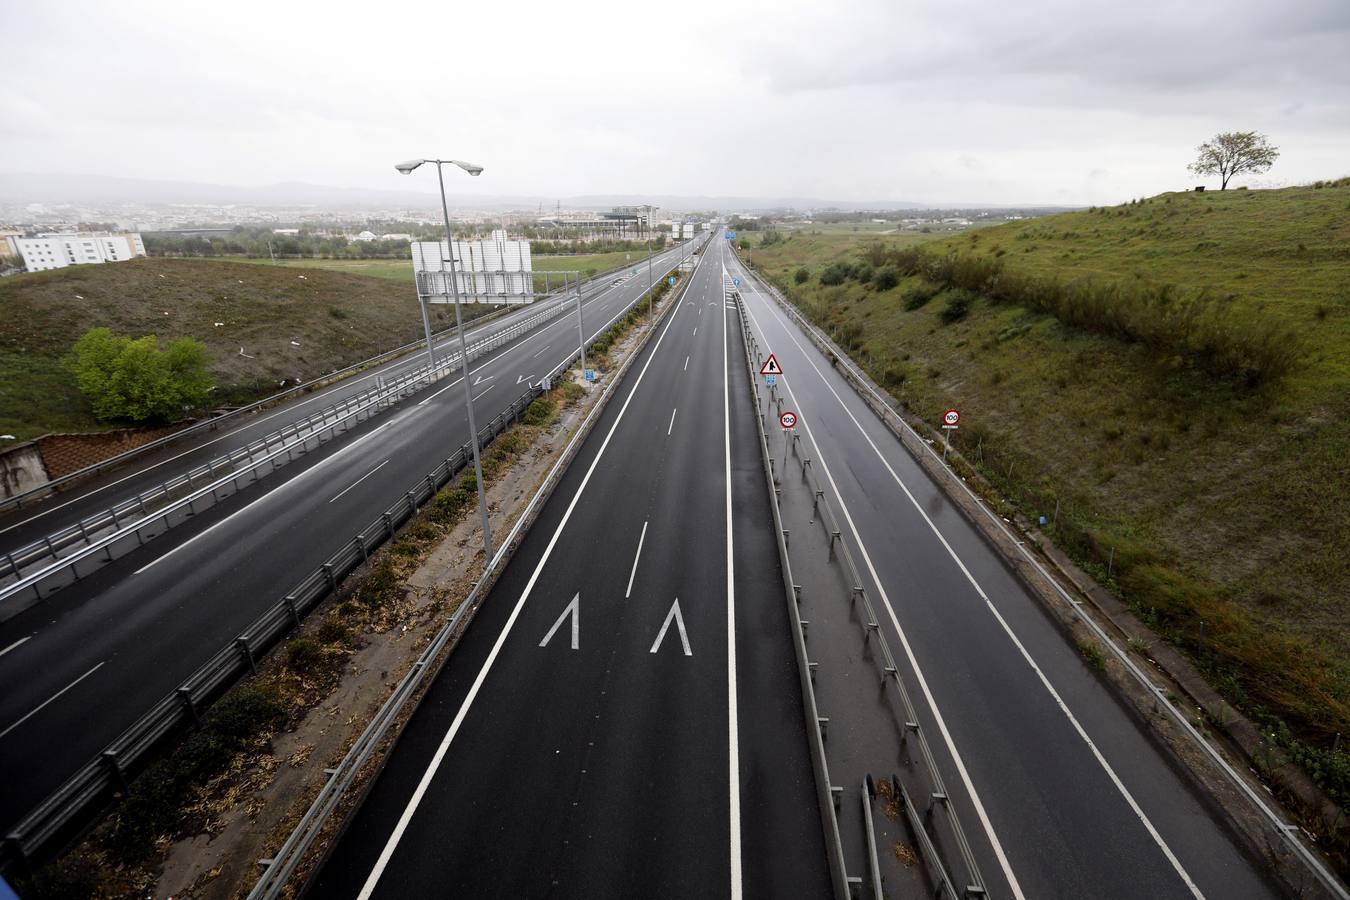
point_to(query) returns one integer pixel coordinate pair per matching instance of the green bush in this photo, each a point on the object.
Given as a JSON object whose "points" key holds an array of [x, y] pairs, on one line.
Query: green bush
{"points": [[919, 295], [802, 275], [540, 412], [334, 632], [304, 655], [135, 380], [886, 278], [835, 273], [958, 304]]}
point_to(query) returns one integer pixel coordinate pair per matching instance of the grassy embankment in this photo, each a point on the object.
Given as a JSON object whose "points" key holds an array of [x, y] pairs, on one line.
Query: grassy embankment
{"points": [[335, 318], [1175, 374]]}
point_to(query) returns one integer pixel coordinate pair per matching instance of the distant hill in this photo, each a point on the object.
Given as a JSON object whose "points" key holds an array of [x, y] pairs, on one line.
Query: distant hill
{"points": [[94, 190], [335, 318]]}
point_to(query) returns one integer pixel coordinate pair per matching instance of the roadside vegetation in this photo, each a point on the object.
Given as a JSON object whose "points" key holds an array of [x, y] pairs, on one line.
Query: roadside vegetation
{"points": [[1168, 382], [261, 327]]}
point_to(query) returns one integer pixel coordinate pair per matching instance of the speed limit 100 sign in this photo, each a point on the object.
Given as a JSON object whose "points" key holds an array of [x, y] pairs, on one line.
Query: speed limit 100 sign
{"points": [[950, 418], [788, 420]]}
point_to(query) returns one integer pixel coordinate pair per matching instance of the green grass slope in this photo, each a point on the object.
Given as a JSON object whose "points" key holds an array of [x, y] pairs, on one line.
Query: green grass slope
{"points": [[335, 318], [1212, 494]]}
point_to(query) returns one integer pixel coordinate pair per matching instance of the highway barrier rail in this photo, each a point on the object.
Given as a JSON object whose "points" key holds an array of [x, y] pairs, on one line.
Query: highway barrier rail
{"points": [[825, 793], [100, 538], [58, 816], [1280, 841], [18, 501]]}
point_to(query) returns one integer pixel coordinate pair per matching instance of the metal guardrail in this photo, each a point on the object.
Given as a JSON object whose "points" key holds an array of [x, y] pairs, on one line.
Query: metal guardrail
{"points": [[17, 501], [151, 516], [911, 730], [280, 868], [1282, 837], [825, 793], [95, 782]]}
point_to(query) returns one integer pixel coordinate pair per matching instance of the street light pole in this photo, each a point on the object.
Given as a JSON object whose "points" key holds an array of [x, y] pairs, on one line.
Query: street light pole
{"points": [[650, 251], [464, 373]]}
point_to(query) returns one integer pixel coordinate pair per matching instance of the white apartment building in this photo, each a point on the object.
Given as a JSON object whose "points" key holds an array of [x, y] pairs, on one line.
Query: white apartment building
{"points": [[56, 251]]}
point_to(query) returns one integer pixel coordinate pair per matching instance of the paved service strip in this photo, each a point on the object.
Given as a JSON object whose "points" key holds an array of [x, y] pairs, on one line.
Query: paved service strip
{"points": [[587, 740], [160, 611], [1075, 800]]}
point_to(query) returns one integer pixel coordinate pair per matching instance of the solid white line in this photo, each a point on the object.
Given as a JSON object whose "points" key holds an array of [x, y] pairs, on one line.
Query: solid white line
{"points": [[484, 391], [390, 845], [359, 480], [904, 643], [39, 708], [15, 644], [633, 574], [672, 420], [733, 726], [1059, 701]]}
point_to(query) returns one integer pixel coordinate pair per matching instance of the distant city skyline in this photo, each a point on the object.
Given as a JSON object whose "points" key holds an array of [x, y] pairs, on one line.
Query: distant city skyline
{"points": [[942, 103]]}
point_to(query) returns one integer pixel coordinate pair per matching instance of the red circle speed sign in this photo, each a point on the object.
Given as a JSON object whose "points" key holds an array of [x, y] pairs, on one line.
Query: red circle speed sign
{"points": [[951, 417], [788, 420]]}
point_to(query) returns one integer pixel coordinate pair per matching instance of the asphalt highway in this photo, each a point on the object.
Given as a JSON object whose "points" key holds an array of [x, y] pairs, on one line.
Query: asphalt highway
{"points": [[80, 666], [622, 718], [19, 527], [1061, 793]]}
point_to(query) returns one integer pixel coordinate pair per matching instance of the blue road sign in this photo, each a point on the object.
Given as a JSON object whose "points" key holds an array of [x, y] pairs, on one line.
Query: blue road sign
{"points": [[590, 374], [672, 280], [736, 280], [771, 380], [731, 235]]}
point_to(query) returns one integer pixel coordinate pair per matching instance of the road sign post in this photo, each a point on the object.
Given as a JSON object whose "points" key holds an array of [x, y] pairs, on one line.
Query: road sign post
{"points": [[950, 422]]}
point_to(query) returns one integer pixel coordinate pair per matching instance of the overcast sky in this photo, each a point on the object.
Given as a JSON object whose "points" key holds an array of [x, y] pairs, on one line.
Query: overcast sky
{"points": [[1048, 101]]}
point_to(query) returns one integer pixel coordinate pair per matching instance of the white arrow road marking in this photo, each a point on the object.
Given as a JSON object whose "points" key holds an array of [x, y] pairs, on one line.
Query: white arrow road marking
{"points": [[520, 378], [480, 379], [573, 610], [679, 623]]}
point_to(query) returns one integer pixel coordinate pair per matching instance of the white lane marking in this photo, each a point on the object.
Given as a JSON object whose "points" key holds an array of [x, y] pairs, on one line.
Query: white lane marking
{"points": [[408, 811], [665, 626], [633, 574], [686, 364], [672, 420], [1054, 694], [274, 492], [480, 379], [904, 642], [15, 644], [733, 726], [37, 709], [695, 334], [482, 392], [359, 480], [441, 391], [537, 352], [573, 611]]}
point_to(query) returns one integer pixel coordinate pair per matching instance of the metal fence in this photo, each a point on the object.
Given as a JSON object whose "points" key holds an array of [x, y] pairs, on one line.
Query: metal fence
{"points": [[94, 783], [940, 815], [214, 423], [1279, 839]]}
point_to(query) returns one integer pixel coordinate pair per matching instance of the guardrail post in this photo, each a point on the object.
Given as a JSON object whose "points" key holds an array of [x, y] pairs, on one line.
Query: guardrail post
{"points": [[412, 502], [109, 758], [247, 652], [365, 555], [328, 576], [388, 524], [186, 696], [13, 566], [289, 600]]}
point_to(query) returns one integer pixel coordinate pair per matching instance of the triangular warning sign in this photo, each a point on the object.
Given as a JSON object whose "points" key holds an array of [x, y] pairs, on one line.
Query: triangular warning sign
{"points": [[771, 366]]}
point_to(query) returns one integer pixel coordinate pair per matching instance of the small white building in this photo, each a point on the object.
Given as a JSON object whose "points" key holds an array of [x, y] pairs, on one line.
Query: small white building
{"points": [[366, 236], [56, 251]]}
